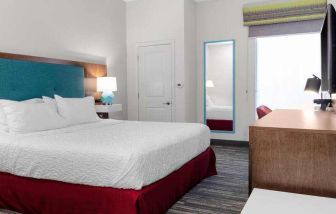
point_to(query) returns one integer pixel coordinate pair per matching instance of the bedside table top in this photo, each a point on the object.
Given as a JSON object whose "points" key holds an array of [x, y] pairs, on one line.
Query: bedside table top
{"points": [[108, 108]]}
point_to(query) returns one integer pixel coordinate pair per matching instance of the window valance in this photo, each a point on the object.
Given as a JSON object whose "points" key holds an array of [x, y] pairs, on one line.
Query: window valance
{"points": [[283, 11]]}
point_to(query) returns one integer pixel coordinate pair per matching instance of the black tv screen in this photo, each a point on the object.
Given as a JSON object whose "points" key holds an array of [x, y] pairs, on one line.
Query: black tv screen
{"points": [[328, 50]]}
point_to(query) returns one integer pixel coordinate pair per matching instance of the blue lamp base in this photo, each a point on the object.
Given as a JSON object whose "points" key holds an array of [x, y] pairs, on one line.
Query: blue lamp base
{"points": [[107, 98]]}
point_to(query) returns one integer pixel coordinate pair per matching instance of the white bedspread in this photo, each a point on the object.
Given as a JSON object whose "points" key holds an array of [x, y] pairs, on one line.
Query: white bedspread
{"points": [[216, 112], [109, 153]]}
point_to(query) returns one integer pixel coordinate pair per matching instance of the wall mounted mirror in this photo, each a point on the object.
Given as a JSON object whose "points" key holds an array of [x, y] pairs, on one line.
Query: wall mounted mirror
{"points": [[219, 85]]}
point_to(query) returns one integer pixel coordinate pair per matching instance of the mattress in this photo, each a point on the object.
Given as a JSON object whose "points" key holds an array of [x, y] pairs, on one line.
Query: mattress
{"points": [[219, 112], [109, 153]]}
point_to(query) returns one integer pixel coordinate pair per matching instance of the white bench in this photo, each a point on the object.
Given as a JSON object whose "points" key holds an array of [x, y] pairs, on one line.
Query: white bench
{"points": [[274, 202]]}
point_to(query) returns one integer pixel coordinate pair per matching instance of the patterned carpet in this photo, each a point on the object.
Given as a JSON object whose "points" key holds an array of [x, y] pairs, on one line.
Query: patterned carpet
{"points": [[225, 193]]}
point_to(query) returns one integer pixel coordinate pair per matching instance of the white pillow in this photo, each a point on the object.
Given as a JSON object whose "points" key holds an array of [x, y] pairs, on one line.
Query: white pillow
{"points": [[3, 119], [51, 102], [34, 100], [31, 117], [209, 101], [77, 110]]}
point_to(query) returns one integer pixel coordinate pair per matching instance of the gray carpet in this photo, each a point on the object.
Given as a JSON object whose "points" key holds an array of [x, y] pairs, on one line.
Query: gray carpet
{"points": [[225, 193]]}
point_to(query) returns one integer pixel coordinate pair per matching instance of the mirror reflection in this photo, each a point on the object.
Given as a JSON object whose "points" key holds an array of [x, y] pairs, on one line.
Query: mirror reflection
{"points": [[219, 85]]}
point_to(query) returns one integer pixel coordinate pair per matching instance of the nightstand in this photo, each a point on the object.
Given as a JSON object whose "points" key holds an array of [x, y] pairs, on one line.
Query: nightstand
{"points": [[107, 111]]}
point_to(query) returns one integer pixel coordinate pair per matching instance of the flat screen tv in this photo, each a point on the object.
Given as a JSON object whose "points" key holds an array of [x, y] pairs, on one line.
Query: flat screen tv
{"points": [[328, 50]]}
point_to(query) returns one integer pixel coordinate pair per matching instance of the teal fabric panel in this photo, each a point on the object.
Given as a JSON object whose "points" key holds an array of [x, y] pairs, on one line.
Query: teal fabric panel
{"points": [[22, 80]]}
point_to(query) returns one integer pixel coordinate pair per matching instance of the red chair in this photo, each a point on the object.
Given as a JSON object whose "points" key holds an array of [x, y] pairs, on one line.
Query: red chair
{"points": [[262, 111]]}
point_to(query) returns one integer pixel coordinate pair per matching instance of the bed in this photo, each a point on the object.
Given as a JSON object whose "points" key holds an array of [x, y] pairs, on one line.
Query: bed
{"points": [[219, 117], [108, 166]]}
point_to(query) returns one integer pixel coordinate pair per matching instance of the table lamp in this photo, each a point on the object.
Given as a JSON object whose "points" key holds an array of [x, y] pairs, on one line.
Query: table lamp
{"points": [[107, 85], [313, 85]]}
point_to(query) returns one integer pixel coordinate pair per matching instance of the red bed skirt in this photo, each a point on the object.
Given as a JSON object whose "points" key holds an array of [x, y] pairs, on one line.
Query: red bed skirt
{"points": [[34, 196], [224, 125]]}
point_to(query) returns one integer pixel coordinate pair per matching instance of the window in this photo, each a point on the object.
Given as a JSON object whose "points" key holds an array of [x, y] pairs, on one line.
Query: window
{"points": [[283, 65]]}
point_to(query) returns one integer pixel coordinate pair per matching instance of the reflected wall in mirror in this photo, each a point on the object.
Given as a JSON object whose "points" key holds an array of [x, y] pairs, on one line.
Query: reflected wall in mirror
{"points": [[219, 76]]}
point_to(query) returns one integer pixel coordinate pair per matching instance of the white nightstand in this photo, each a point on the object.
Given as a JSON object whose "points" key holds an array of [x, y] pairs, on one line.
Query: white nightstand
{"points": [[107, 111]]}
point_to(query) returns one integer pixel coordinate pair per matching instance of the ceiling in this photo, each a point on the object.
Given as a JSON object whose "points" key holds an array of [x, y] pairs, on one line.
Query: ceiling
{"points": [[194, 0]]}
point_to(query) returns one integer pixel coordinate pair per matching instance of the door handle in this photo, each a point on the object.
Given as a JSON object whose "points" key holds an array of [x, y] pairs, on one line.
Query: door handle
{"points": [[167, 103]]}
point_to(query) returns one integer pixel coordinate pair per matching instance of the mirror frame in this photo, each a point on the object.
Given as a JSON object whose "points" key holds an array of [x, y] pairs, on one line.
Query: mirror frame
{"points": [[233, 85]]}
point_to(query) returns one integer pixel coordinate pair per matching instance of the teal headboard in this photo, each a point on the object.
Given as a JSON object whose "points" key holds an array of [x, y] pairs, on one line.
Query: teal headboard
{"points": [[21, 80]]}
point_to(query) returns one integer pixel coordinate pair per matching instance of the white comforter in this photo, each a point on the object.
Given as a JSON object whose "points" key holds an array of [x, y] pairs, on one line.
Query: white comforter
{"points": [[109, 153], [216, 112]]}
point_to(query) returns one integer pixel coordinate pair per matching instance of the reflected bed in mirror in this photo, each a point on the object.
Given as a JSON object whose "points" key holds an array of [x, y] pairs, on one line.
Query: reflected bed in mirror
{"points": [[219, 95]]}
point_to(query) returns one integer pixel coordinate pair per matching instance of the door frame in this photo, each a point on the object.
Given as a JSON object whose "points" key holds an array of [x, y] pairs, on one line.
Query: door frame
{"points": [[157, 43], [252, 80]]}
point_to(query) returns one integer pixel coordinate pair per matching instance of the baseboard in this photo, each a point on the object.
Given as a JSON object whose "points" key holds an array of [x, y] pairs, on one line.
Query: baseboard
{"points": [[229, 143]]}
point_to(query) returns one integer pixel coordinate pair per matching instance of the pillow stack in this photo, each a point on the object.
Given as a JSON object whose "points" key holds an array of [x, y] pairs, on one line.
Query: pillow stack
{"points": [[47, 114], [3, 118], [77, 111], [3, 121]]}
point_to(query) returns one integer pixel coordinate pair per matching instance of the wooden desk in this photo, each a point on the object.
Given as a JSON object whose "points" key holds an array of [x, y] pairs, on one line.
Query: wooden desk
{"points": [[294, 151]]}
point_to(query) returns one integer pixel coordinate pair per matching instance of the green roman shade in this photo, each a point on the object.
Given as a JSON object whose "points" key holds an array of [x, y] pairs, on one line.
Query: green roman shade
{"points": [[284, 17], [283, 11]]}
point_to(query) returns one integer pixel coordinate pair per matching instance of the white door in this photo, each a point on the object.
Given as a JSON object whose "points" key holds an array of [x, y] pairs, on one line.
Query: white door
{"points": [[155, 83]]}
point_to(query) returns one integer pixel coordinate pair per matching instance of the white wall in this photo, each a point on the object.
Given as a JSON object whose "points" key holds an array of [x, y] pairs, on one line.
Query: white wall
{"points": [[190, 59], [172, 20], [223, 20], [85, 30], [162, 20]]}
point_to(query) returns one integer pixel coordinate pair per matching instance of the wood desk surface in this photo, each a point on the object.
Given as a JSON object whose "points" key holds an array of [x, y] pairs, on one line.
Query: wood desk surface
{"points": [[316, 121]]}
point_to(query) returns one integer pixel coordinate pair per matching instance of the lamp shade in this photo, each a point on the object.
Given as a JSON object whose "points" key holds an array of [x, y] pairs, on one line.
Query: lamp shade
{"points": [[313, 84], [106, 84], [209, 84]]}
